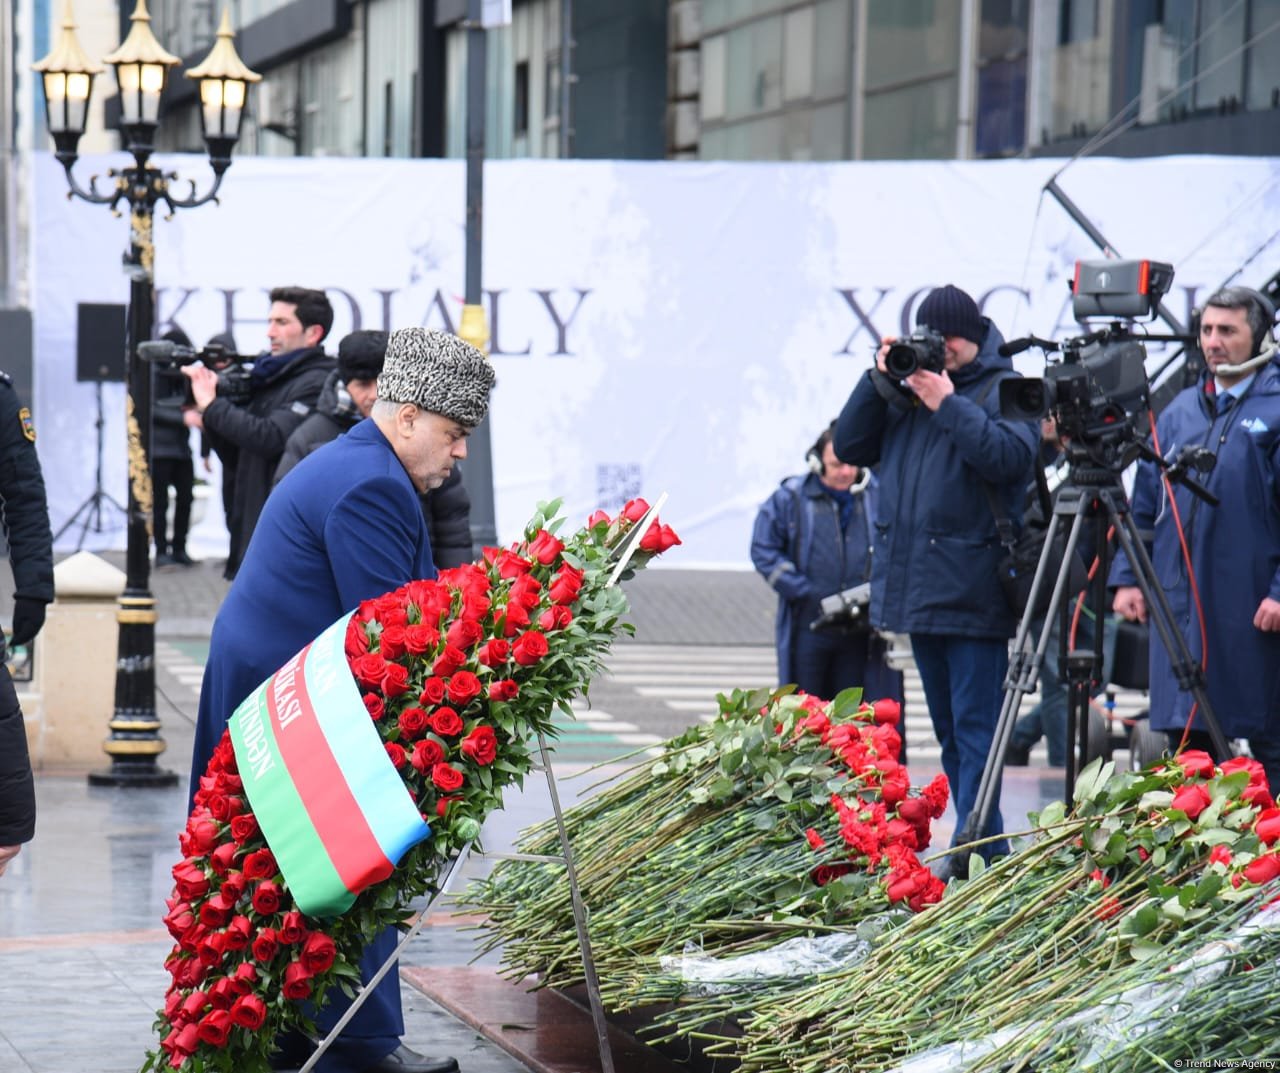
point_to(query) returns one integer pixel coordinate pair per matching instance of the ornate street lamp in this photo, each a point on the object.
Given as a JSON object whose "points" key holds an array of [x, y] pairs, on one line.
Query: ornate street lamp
{"points": [[142, 69]]}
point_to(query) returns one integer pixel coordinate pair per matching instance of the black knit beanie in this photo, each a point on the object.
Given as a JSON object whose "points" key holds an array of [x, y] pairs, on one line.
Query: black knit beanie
{"points": [[360, 355], [950, 311]]}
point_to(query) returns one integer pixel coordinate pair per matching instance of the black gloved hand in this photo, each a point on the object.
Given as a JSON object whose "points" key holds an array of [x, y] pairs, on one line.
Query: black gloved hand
{"points": [[28, 617]]}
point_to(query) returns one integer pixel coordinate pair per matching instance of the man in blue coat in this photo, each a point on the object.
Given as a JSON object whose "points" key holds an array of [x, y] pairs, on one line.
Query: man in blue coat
{"points": [[1234, 410], [938, 448], [812, 539], [345, 526]]}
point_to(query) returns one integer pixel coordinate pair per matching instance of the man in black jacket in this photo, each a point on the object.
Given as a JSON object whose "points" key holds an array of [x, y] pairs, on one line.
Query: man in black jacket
{"points": [[347, 397], [284, 388], [171, 465], [26, 525]]}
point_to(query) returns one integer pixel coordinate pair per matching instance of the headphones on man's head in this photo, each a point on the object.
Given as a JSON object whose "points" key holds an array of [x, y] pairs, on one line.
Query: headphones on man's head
{"points": [[813, 456], [1268, 310]]}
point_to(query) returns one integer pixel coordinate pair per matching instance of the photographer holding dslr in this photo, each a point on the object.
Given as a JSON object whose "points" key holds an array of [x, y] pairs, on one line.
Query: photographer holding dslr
{"points": [[812, 544], [283, 389], [1234, 548], [928, 417]]}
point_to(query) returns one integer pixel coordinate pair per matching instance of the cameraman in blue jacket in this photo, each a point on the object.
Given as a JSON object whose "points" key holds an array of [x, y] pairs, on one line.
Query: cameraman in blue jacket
{"points": [[939, 443], [1234, 410], [812, 539]]}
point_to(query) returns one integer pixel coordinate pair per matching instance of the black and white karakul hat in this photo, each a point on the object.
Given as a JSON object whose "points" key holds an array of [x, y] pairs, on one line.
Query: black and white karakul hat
{"points": [[437, 371]]}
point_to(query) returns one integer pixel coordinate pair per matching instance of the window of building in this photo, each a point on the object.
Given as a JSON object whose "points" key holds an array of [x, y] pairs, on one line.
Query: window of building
{"points": [[520, 106], [1001, 122], [1262, 59]]}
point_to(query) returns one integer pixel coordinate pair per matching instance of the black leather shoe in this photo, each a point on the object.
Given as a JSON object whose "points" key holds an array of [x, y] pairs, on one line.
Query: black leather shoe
{"points": [[183, 559], [1016, 756], [165, 559], [403, 1060]]}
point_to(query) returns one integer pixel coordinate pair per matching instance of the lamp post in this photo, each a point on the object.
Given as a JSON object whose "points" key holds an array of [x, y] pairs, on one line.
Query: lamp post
{"points": [[142, 68], [472, 326]]}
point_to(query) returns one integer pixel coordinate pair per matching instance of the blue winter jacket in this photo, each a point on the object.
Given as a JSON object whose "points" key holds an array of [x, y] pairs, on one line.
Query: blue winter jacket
{"points": [[936, 550], [1235, 553], [798, 547]]}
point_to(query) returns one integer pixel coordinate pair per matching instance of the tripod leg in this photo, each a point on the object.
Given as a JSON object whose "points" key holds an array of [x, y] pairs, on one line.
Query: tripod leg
{"points": [[1189, 676]]}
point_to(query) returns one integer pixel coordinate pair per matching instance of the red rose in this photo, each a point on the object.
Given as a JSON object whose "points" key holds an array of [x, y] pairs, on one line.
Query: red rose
{"points": [[463, 633], [202, 833], [190, 879], [443, 803], [243, 827], [180, 920], [652, 539], [529, 648], [515, 618], [210, 947], [233, 886], [222, 994], [184, 1039], [1263, 869], [525, 592], [391, 645], [1267, 826], [504, 689], [446, 722], [238, 932], [475, 604], [887, 711], [1192, 799], [1195, 763], [266, 899], [448, 661], [413, 721], [447, 778], [426, 754], [374, 705], [634, 509], [481, 745], [421, 639], [194, 1005], [555, 617], [368, 670], [293, 928], [545, 547], [464, 687], [395, 680], [260, 864], [432, 691], [598, 517], [356, 643], [397, 754], [244, 978], [510, 565], [815, 840], [317, 952], [225, 806], [1220, 855], [494, 652], [249, 1012], [215, 1027], [297, 981]]}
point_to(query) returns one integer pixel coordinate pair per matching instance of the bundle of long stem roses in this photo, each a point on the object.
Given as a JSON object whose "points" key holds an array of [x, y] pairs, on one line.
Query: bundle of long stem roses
{"points": [[458, 676], [1081, 949], [785, 818]]}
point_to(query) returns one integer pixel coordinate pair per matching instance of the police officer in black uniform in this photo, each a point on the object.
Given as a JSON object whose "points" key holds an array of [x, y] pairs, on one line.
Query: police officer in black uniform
{"points": [[26, 524]]}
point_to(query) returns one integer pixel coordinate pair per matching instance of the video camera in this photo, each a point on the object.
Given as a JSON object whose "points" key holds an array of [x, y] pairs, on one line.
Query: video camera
{"points": [[848, 610], [1098, 393], [234, 370]]}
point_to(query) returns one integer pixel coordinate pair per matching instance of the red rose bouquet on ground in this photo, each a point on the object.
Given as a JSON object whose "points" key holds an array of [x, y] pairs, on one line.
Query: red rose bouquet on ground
{"points": [[458, 675], [785, 818]]}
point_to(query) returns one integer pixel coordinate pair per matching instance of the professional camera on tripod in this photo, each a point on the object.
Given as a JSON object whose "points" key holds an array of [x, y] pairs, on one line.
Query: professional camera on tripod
{"points": [[1098, 395], [234, 370]]}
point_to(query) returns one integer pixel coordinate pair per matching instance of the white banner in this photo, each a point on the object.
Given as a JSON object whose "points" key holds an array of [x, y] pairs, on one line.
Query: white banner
{"points": [[684, 327]]}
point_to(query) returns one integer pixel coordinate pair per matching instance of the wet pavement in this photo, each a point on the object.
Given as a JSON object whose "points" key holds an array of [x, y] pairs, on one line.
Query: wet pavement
{"points": [[82, 947]]}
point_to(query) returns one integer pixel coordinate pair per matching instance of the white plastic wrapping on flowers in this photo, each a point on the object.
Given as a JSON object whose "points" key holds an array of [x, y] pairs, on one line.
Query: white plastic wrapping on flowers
{"points": [[794, 958], [1118, 1020]]}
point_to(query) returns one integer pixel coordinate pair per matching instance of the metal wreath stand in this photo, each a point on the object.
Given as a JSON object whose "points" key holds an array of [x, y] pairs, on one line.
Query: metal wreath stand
{"points": [[566, 858]]}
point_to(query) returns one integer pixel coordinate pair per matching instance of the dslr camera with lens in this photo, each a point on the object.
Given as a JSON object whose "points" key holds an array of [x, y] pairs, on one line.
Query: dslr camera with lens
{"points": [[922, 349]]}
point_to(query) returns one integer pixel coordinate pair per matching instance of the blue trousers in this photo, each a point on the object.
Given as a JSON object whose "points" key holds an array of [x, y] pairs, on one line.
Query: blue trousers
{"points": [[828, 661], [963, 682]]}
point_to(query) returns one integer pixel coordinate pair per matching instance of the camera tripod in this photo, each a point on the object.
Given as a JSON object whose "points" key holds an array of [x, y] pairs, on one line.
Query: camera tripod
{"points": [[1094, 495], [89, 513]]}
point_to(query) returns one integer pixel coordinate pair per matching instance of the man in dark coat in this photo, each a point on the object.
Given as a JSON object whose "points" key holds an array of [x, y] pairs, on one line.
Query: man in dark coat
{"points": [[1234, 410], [26, 526], [934, 569], [347, 397], [285, 385], [345, 526], [171, 464], [812, 539]]}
